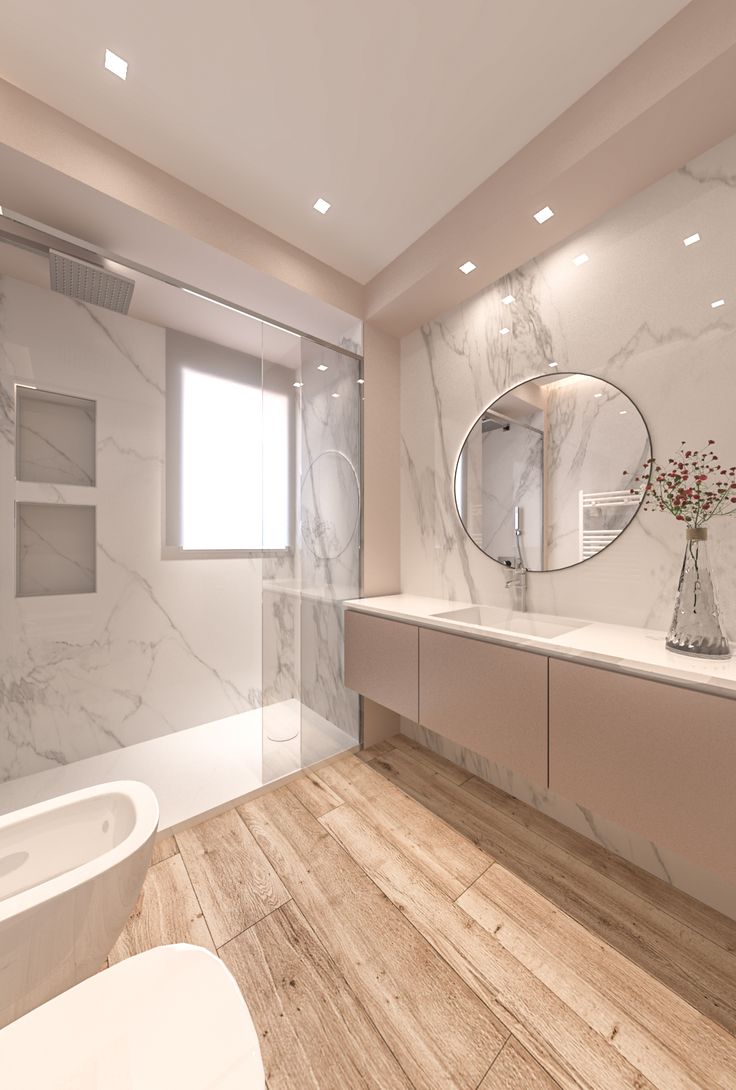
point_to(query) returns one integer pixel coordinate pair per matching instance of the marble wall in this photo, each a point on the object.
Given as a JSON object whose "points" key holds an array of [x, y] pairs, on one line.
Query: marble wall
{"points": [[637, 313], [303, 593], [161, 645], [157, 644]]}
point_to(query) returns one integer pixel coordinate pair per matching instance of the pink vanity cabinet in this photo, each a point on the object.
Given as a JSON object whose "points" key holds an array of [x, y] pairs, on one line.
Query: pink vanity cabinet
{"points": [[489, 698], [655, 758], [382, 661]]}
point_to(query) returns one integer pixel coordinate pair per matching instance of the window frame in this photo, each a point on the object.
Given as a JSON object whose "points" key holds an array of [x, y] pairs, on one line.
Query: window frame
{"points": [[185, 351]]}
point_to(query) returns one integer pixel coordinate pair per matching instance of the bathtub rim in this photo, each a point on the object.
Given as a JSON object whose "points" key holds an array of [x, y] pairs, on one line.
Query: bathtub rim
{"points": [[145, 826]]}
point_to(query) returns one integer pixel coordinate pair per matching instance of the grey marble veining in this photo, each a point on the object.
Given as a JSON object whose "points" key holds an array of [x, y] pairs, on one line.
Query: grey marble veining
{"points": [[638, 314], [162, 645], [328, 544]]}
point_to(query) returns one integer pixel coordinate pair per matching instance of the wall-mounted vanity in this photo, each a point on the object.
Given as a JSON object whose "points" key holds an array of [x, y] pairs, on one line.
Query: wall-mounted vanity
{"points": [[600, 714]]}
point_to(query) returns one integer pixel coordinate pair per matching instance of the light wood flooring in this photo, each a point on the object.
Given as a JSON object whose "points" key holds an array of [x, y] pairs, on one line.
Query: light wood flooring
{"points": [[396, 923]]}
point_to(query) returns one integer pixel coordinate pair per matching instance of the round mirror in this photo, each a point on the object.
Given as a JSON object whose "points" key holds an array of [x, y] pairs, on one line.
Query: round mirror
{"points": [[545, 474]]}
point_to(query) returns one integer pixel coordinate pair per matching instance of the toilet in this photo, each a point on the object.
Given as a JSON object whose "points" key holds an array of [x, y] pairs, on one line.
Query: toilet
{"points": [[171, 1017], [71, 869]]}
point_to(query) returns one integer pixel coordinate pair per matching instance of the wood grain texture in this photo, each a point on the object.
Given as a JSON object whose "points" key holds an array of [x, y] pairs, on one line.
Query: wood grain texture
{"points": [[695, 915], [162, 849], [314, 793], [433, 761], [376, 750], [441, 1034], [314, 1034], [515, 1069], [561, 967], [167, 911], [700, 971], [233, 880], [445, 856], [660, 1034], [561, 1041]]}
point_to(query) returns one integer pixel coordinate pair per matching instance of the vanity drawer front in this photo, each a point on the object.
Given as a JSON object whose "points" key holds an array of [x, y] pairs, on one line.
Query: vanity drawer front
{"points": [[655, 758], [490, 699], [382, 661]]}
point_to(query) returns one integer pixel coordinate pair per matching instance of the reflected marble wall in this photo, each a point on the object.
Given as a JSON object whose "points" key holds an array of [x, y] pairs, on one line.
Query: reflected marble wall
{"points": [[595, 441], [329, 522], [639, 314], [162, 645], [303, 592]]}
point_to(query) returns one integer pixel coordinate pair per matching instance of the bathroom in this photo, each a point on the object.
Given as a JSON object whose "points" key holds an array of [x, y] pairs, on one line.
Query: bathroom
{"points": [[367, 608]]}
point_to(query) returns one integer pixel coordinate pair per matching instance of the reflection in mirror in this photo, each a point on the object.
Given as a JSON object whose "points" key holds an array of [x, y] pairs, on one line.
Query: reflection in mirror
{"points": [[543, 480]]}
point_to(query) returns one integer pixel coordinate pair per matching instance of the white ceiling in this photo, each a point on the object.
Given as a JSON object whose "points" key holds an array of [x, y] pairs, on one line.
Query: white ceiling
{"points": [[394, 110]]}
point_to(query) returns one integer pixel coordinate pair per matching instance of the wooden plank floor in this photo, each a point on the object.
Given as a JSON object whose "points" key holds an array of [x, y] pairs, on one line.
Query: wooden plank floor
{"points": [[394, 922]]}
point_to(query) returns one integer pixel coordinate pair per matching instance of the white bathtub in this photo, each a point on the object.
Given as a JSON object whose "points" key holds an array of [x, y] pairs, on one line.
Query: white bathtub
{"points": [[71, 870]]}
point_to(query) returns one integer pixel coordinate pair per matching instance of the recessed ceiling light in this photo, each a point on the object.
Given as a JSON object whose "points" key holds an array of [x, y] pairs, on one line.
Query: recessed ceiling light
{"points": [[552, 363], [504, 331], [116, 64], [597, 395], [544, 214], [361, 381], [580, 259], [321, 205], [718, 303], [507, 299], [691, 239], [467, 267], [297, 385], [321, 366], [334, 395]]}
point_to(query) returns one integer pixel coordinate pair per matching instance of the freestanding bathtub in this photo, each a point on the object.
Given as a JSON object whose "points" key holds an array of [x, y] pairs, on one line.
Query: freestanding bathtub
{"points": [[71, 870]]}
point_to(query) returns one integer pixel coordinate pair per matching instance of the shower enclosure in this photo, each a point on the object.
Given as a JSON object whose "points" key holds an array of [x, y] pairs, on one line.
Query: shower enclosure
{"points": [[180, 507], [308, 714]]}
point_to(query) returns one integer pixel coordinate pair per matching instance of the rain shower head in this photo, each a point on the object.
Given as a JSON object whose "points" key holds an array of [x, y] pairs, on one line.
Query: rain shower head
{"points": [[90, 283]]}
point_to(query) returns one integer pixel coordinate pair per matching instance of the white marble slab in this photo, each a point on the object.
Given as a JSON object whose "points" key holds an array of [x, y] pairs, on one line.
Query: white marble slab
{"points": [[637, 314], [197, 771], [637, 651]]}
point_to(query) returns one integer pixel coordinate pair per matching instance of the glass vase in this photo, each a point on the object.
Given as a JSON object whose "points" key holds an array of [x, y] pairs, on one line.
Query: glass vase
{"points": [[696, 624]]}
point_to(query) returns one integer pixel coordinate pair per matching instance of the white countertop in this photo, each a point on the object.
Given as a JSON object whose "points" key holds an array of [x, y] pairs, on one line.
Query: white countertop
{"points": [[295, 588], [638, 651]]}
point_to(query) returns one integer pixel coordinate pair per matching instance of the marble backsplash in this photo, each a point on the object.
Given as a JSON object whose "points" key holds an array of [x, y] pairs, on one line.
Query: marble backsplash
{"points": [[639, 314]]}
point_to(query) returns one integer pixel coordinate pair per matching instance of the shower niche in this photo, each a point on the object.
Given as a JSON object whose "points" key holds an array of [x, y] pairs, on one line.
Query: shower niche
{"points": [[55, 457], [55, 438]]}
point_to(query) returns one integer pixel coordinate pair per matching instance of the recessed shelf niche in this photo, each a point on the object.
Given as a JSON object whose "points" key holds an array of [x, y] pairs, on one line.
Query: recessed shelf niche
{"points": [[55, 437], [56, 549]]}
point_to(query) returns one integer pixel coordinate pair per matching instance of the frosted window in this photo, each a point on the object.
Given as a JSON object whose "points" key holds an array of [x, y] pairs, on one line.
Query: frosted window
{"points": [[235, 474]]}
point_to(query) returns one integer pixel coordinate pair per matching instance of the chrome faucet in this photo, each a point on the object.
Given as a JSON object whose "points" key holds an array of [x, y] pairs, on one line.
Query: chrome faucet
{"points": [[516, 583]]}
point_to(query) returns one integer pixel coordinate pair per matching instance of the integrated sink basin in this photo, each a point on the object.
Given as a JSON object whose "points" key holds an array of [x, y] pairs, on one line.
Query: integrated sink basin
{"points": [[504, 620]]}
